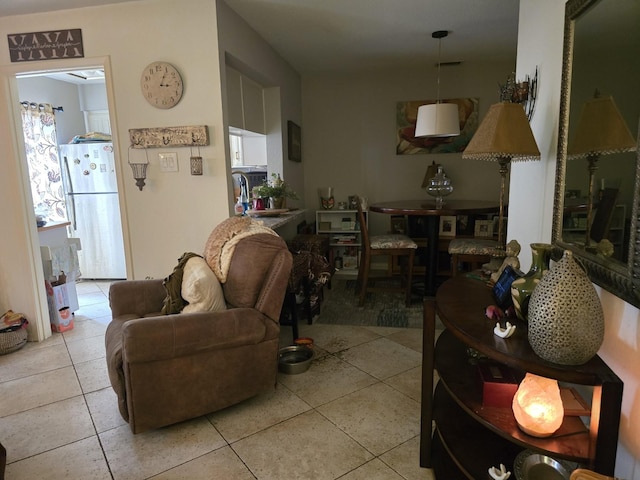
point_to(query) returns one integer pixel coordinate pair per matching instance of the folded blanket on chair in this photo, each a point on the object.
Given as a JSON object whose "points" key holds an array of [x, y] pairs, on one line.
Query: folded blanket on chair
{"points": [[223, 240]]}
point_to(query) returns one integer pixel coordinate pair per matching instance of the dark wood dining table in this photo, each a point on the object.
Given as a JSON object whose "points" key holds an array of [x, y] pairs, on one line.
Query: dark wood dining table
{"points": [[427, 208]]}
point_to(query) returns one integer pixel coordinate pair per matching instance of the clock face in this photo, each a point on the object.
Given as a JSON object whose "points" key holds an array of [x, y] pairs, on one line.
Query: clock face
{"points": [[161, 85]]}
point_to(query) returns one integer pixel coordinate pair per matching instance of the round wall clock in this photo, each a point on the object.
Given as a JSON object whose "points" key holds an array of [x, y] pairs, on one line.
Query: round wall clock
{"points": [[161, 85]]}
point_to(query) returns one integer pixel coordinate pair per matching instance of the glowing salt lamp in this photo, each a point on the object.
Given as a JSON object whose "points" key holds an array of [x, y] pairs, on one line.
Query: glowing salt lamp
{"points": [[537, 406]]}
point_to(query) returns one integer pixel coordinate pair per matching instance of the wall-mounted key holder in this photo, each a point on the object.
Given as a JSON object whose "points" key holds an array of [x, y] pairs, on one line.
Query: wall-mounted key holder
{"points": [[165, 137]]}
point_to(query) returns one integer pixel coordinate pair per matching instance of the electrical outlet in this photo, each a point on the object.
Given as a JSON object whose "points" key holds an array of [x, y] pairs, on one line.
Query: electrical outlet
{"points": [[168, 162]]}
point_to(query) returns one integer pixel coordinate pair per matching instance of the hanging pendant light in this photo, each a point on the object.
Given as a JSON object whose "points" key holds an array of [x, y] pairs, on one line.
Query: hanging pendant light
{"points": [[438, 119]]}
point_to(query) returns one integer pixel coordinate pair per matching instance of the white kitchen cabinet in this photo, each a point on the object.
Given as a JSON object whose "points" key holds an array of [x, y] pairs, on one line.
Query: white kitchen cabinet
{"points": [[234, 99], [245, 102]]}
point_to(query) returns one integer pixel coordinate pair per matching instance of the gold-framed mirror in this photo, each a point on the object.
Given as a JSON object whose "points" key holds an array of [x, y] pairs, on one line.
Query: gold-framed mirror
{"points": [[601, 48]]}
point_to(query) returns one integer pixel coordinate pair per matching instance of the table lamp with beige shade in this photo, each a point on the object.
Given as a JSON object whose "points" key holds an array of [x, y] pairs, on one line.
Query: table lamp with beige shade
{"points": [[503, 136], [601, 131]]}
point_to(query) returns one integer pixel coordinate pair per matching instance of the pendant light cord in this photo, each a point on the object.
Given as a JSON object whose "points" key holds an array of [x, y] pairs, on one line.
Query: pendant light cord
{"points": [[439, 57], [439, 34]]}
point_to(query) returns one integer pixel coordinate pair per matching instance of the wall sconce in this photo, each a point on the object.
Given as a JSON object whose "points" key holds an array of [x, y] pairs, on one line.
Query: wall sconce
{"points": [[195, 162], [537, 406], [139, 169], [525, 93]]}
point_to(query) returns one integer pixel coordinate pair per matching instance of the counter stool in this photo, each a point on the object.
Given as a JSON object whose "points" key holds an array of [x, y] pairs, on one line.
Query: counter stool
{"points": [[314, 243], [475, 251], [311, 271], [3, 461], [393, 245], [298, 282]]}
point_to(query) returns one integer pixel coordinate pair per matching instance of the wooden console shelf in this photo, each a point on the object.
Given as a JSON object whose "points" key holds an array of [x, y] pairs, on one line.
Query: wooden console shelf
{"points": [[470, 438]]}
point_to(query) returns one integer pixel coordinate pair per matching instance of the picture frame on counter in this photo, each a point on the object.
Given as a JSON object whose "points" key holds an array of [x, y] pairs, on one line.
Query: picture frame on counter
{"points": [[483, 228], [398, 224], [448, 226]]}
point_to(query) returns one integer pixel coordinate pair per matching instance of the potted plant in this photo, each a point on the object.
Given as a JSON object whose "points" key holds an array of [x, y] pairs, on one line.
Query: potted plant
{"points": [[276, 189]]}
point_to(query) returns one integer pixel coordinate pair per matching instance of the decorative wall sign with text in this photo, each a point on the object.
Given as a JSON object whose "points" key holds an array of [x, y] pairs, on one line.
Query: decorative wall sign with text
{"points": [[53, 45], [191, 136]]}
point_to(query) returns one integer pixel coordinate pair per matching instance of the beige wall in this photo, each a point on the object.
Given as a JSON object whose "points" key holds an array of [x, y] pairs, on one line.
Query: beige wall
{"points": [[349, 143], [540, 38], [350, 134], [246, 51], [174, 213]]}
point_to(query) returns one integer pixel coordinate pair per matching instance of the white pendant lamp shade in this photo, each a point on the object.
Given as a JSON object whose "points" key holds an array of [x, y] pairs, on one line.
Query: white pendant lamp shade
{"points": [[438, 120]]}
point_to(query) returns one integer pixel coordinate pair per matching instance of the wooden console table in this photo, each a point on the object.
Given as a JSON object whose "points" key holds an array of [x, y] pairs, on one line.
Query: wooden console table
{"points": [[468, 438]]}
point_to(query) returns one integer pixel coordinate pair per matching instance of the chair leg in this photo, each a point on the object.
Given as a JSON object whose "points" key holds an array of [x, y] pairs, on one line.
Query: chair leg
{"points": [[409, 278], [454, 264], [363, 261], [307, 301], [365, 279], [293, 307]]}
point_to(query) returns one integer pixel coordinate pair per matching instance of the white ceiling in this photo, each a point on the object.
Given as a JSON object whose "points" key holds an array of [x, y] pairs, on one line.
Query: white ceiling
{"points": [[321, 35]]}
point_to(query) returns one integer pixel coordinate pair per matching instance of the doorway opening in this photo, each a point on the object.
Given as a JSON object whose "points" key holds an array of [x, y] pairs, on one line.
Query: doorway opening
{"points": [[74, 186]]}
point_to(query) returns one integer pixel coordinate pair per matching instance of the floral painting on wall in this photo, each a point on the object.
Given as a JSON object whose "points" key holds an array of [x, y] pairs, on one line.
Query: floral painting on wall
{"points": [[408, 144]]}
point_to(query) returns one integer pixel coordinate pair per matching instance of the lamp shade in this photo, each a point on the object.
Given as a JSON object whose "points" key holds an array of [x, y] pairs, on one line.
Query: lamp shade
{"points": [[601, 130], [431, 172], [438, 120], [504, 132]]}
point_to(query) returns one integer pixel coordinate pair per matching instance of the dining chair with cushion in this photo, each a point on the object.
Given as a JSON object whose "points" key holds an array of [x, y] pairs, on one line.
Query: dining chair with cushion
{"points": [[394, 245], [474, 251]]}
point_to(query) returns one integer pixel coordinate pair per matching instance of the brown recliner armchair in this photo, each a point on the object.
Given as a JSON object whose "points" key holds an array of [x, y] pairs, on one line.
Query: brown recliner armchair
{"points": [[169, 368]]}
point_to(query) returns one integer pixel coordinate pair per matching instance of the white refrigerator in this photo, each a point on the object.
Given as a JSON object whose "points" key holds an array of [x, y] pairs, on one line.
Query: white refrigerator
{"points": [[91, 193]]}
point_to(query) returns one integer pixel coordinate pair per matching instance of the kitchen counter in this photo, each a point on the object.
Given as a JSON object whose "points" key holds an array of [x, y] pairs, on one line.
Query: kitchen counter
{"points": [[59, 254], [53, 225], [289, 220]]}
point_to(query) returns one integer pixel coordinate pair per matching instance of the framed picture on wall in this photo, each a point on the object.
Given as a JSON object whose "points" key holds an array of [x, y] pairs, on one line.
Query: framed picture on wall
{"points": [[448, 226], [294, 141], [484, 228]]}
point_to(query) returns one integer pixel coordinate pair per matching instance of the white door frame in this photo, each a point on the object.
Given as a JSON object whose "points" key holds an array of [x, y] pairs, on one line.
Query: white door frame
{"points": [[39, 327]]}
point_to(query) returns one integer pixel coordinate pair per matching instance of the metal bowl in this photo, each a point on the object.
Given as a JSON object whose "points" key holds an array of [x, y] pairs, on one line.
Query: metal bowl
{"points": [[530, 465], [294, 359]]}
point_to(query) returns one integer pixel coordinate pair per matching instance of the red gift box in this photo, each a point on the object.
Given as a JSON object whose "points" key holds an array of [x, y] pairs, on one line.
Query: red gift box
{"points": [[499, 384]]}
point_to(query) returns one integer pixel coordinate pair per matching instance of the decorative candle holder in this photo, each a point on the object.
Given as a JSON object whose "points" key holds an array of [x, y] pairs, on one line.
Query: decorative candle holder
{"points": [[439, 186], [326, 197]]}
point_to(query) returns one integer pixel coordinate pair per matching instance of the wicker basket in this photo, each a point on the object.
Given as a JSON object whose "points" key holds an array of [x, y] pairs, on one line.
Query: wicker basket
{"points": [[12, 340]]}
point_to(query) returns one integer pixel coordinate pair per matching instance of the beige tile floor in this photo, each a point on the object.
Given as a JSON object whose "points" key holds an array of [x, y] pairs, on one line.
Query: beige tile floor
{"points": [[355, 414]]}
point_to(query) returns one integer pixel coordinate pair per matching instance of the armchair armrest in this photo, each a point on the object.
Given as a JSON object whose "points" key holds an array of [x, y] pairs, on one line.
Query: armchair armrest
{"points": [[136, 298], [170, 336]]}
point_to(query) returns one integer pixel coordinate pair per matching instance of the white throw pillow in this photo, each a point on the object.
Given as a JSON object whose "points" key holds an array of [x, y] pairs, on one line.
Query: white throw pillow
{"points": [[201, 288]]}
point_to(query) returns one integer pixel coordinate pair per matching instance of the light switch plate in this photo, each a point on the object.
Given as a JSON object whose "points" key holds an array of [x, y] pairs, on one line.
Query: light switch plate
{"points": [[168, 162]]}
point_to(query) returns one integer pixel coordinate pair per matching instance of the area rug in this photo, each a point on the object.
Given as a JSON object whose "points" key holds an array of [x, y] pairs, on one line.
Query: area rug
{"points": [[382, 309]]}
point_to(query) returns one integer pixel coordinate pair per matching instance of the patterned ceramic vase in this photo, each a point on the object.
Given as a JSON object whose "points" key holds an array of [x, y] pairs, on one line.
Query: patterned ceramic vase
{"points": [[566, 321], [522, 288]]}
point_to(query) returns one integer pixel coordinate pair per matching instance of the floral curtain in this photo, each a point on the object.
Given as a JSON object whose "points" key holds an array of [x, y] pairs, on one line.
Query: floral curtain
{"points": [[41, 145]]}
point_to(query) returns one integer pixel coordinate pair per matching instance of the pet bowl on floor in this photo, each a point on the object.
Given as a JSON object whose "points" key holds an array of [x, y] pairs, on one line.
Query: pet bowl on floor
{"points": [[304, 342], [294, 359]]}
